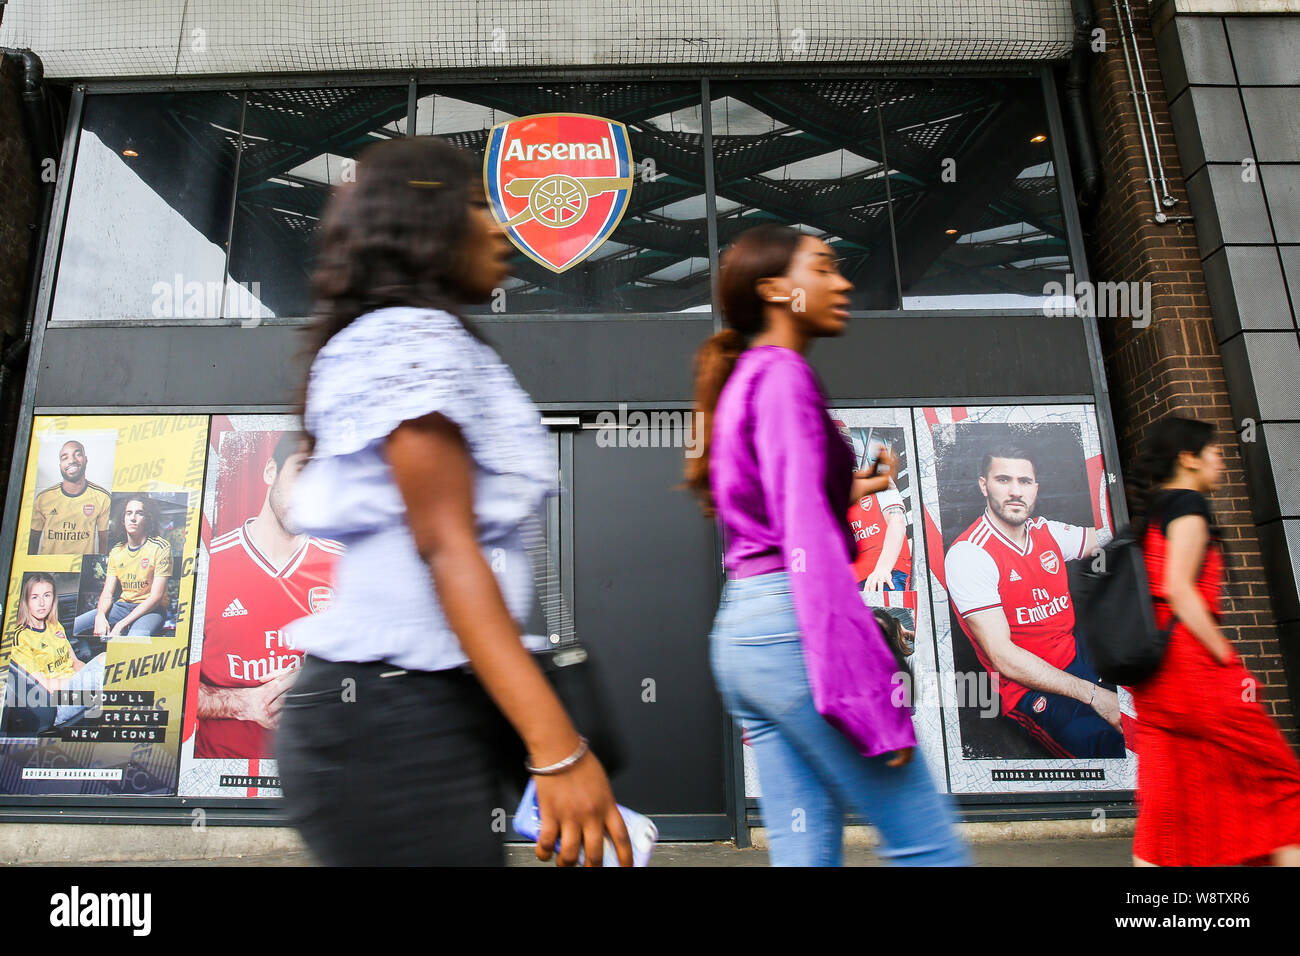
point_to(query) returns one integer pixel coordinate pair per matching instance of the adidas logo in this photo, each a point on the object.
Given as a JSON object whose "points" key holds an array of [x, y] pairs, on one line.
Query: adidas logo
{"points": [[1013, 577], [235, 609]]}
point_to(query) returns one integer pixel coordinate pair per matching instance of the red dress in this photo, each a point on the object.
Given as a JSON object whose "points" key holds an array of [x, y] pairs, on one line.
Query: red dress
{"points": [[1217, 783]]}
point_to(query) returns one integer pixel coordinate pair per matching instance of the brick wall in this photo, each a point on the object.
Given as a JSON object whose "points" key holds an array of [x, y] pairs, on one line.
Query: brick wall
{"points": [[1174, 365]]}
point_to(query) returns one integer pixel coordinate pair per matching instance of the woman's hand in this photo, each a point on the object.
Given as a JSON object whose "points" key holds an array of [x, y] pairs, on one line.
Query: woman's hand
{"points": [[901, 757], [101, 625], [577, 807]]}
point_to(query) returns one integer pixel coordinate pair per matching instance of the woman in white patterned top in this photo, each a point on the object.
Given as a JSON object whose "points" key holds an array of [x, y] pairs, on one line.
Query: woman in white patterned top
{"points": [[428, 457]]}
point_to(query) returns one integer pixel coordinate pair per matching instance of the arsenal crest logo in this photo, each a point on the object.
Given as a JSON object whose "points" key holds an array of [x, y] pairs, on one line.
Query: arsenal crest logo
{"points": [[558, 183], [319, 599], [87, 510], [1049, 561]]}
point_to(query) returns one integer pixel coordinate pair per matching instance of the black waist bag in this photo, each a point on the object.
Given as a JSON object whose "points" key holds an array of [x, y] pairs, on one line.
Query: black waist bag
{"points": [[1116, 614]]}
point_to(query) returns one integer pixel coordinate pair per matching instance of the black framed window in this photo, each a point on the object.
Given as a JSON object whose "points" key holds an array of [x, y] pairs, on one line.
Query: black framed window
{"points": [[296, 144], [656, 259], [976, 207], [807, 153], [149, 208], [937, 193]]}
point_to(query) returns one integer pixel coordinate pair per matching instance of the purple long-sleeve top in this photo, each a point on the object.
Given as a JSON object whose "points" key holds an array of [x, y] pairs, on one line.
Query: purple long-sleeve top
{"points": [[781, 476]]}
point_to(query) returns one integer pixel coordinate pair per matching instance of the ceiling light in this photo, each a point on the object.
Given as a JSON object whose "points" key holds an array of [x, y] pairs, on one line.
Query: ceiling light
{"points": [[1040, 138], [950, 232], [130, 153]]}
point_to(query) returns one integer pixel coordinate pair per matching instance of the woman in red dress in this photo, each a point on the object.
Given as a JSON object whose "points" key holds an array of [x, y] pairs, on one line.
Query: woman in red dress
{"points": [[1217, 783]]}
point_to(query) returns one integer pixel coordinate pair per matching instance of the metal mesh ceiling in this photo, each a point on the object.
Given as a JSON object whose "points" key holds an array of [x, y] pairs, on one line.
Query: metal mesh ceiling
{"points": [[134, 38]]}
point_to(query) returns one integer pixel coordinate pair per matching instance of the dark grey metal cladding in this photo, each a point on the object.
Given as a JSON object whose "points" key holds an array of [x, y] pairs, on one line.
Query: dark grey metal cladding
{"points": [[1194, 50], [1260, 367], [1291, 269], [1274, 114], [1284, 453], [1288, 635], [168, 365], [1282, 187], [1263, 49], [1210, 126], [1246, 290], [605, 362], [956, 356], [1280, 543], [1274, 450], [1228, 207]]}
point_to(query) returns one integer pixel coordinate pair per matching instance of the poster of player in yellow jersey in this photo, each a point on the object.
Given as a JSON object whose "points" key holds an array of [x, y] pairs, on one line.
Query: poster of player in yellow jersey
{"points": [[95, 651]]}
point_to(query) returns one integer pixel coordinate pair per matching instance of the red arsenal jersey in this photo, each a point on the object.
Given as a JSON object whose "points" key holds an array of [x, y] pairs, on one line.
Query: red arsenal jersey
{"points": [[867, 521], [986, 569], [248, 602]]}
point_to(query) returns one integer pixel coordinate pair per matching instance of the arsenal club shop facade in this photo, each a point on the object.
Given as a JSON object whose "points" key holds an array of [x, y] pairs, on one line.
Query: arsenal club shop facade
{"points": [[944, 160]]}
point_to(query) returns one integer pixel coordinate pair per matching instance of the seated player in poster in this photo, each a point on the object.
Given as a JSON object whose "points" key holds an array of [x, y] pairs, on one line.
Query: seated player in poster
{"points": [[70, 517], [261, 576], [140, 562], [1006, 579]]}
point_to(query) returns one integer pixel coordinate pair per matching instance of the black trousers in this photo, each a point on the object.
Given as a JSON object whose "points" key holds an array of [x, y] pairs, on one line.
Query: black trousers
{"points": [[407, 770]]}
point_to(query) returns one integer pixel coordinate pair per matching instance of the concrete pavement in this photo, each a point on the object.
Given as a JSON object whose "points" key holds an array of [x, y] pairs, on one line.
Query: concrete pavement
{"points": [[1061, 851]]}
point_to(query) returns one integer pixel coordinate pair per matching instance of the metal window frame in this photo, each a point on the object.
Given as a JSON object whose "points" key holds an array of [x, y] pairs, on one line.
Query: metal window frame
{"points": [[704, 75], [242, 811]]}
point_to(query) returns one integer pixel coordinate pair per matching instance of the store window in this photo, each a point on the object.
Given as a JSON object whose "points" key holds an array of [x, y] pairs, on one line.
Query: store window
{"points": [[936, 194], [976, 208], [654, 256], [149, 208], [297, 143], [807, 153]]}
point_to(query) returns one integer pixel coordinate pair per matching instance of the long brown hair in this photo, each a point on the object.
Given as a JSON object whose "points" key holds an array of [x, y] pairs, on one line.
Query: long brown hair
{"points": [[759, 253], [392, 237], [30, 581]]}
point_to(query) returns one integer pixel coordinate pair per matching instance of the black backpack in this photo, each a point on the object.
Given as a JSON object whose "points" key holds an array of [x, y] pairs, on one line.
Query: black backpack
{"points": [[1114, 609]]}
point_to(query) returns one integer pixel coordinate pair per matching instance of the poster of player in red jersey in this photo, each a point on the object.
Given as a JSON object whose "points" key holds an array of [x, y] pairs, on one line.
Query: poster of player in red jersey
{"points": [[257, 574], [1015, 499], [889, 563]]}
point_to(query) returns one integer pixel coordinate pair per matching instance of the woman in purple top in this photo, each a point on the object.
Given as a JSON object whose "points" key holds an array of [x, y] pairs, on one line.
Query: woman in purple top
{"points": [[781, 478]]}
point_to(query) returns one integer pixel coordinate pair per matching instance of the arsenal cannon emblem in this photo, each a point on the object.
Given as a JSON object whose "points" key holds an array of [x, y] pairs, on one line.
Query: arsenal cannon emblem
{"points": [[558, 183]]}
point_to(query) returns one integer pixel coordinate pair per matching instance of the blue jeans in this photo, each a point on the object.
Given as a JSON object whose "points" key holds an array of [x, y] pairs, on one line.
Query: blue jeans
{"points": [[146, 625], [810, 773]]}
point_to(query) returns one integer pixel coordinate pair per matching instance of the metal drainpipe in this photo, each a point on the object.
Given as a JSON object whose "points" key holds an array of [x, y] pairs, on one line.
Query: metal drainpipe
{"points": [[40, 128], [1076, 100]]}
